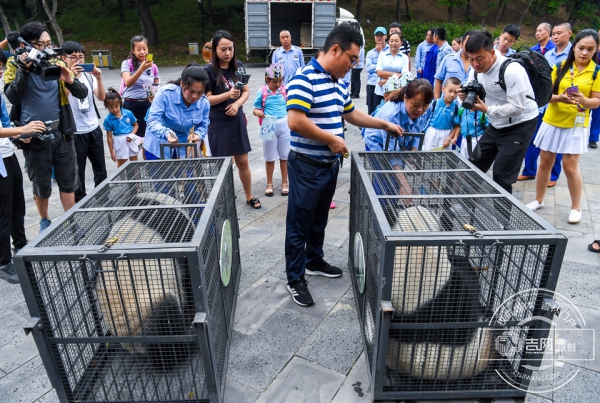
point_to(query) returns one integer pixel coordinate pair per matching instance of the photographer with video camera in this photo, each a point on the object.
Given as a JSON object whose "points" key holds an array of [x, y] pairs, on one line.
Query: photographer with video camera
{"points": [[512, 113], [38, 84]]}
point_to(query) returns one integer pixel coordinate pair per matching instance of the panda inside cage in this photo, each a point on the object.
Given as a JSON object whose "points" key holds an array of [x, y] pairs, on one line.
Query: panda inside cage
{"points": [[120, 320], [446, 277]]}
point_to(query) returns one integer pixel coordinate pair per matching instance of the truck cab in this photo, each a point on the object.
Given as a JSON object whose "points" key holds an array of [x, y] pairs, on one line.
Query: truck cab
{"points": [[309, 22]]}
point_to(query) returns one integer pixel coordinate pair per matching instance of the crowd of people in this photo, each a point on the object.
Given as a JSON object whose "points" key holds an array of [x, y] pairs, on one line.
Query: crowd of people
{"points": [[303, 108]]}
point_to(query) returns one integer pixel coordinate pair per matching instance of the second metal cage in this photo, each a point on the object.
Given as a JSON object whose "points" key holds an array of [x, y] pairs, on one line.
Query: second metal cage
{"points": [[436, 251]]}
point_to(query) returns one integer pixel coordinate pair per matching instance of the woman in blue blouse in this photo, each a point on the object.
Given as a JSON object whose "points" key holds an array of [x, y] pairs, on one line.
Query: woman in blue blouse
{"points": [[409, 108], [179, 112]]}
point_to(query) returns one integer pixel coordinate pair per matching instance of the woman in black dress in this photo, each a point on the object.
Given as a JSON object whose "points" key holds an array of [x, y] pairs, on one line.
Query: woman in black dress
{"points": [[227, 132]]}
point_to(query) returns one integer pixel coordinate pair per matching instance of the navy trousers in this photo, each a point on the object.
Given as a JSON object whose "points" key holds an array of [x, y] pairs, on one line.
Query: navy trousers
{"points": [[533, 153], [311, 192]]}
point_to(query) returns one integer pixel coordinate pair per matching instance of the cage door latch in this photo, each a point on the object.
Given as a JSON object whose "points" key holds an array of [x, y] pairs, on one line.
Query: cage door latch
{"points": [[472, 230], [33, 323], [109, 242], [386, 306]]}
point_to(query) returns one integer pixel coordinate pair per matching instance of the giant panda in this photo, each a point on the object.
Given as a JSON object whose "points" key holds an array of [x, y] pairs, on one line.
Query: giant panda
{"points": [[148, 297], [431, 286]]}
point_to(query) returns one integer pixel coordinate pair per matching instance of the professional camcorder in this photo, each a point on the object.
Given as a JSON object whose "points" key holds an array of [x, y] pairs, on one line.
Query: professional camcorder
{"points": [[243, 78], [42, 61], [473, 89]]}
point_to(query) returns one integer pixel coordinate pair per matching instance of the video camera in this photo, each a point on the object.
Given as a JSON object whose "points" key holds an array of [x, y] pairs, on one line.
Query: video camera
{"points": [[473, 89], [40, 61], [243, 78], [51, 127]]}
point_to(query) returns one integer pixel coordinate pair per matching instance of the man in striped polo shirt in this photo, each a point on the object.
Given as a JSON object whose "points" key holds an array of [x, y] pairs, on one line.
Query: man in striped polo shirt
{"points": [[317, 99]]}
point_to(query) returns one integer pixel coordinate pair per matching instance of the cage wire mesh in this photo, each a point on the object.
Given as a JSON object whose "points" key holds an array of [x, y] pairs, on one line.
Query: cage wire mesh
{"points": [[418, 240], [118, 321]]}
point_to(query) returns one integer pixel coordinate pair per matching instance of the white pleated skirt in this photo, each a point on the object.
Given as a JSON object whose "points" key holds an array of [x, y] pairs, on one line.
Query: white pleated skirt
{"points": [[562, 141], [434, 138]]}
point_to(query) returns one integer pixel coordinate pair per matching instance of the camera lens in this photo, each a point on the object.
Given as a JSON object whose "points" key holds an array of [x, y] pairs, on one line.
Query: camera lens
{"points": [[469, 101]]}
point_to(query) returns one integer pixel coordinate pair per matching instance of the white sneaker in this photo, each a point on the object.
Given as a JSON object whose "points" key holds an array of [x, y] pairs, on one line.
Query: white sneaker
{"points": [[574, 216], [535, 205]]}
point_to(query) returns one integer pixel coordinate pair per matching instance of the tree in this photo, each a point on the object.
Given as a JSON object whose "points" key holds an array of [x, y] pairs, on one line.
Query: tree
{"points": [[501, 11], [468, 12], [4, 20], [524, 12], [121, 11], [488, 5], [451, 4], [149, 29], [398, 3], [52, 15]]}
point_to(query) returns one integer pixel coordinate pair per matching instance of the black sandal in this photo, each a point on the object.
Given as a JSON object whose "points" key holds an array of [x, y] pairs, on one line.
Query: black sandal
{"points": [[591, 247], [253, 202]]}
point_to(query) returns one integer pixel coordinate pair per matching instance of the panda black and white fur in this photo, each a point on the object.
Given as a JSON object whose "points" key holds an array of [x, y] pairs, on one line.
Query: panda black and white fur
{"points": [[145, 297], [431, 286]]}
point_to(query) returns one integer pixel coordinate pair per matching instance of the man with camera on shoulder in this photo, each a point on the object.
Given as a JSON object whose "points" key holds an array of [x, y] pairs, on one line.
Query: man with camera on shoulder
{"points": [[512, 113], [38, 85]]}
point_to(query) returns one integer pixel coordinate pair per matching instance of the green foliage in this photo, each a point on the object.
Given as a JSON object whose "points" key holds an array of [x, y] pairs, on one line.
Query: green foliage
{"points": [[415, 31]]}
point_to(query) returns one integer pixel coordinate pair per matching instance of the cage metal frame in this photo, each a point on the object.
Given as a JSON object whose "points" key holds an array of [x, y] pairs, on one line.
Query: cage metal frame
{"points": [[191, 250], [390, 239]]}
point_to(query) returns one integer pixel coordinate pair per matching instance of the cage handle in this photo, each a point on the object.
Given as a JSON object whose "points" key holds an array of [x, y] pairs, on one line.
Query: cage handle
{"points": [[31, 324], [114, 265], [461, 243]]}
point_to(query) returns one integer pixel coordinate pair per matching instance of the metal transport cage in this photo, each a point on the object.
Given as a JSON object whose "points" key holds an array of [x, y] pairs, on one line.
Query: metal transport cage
{"points": [[441, 260], [132, 293]]}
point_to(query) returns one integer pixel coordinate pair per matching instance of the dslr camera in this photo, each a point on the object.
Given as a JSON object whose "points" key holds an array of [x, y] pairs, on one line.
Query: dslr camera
{"points": [[243, 78], [51, 127], [473, 89], [42, 61]]}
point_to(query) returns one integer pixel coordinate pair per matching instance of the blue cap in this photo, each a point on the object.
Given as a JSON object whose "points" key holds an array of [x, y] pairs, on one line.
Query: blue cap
{"points": [[380, 30]]}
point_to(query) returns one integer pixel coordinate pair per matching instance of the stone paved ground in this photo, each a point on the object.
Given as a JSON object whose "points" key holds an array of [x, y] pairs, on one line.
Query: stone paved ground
{"points": [[284, 353]]}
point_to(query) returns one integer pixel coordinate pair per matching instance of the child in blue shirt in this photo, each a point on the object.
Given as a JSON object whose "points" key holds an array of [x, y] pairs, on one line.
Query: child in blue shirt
{"points": [[472, 124], [270, 103], [118, 124], [444, 110]]}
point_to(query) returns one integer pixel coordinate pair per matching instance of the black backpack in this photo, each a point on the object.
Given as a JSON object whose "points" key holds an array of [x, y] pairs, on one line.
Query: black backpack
{"points": [[538, 69]]}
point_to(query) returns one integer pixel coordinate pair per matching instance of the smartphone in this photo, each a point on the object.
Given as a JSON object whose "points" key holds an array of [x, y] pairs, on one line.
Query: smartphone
{"points": [[572, 89], [87, 67], [150, 57]]}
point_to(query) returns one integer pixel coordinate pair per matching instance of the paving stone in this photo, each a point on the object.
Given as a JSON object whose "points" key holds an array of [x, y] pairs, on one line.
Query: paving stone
{"points": [[562, 197], [579, 283], [577, 250], [336, 232], [2, 374], [274, 220], [10, 296], [251, 237], [235, 392], [255, 264], [275, 243], [326, 293], [26, 384], [15, 347], [296, 384], [583, 388], [50, 397], [585, 340], [341, 193], [357, 385], [562, 216], [336, 343], [258, 303], [256, 360], [592, 192]]}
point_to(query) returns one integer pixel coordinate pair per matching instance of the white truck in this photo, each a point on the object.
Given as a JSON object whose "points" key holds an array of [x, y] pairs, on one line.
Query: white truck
{"points": [[309, 23]]}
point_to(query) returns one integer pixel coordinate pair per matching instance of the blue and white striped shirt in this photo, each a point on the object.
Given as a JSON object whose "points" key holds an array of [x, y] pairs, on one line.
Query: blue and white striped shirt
{"points": [[324, 99]]}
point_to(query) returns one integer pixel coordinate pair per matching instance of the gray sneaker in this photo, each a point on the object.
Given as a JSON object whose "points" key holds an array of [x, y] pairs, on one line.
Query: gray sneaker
{"points": [[9, 273]]}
